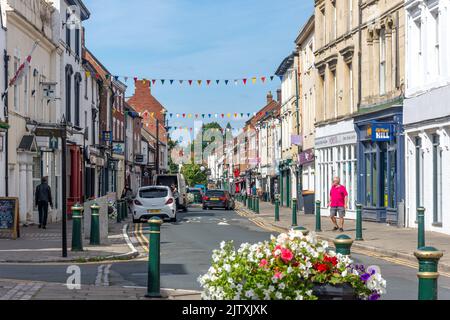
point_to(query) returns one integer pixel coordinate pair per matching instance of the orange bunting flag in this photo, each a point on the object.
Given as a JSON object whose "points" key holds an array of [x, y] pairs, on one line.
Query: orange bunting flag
{"points": [[199, 82]]}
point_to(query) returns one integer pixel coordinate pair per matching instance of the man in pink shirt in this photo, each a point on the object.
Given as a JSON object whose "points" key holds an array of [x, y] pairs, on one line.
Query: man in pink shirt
{"points": [[338, 203]]}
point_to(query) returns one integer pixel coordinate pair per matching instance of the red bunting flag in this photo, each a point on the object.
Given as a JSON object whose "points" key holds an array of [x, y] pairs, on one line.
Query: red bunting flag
{"points": [[135, 79], [190, 82], [263, 79], [208, 82], [244, 80], [153, 81], [184, 115]]}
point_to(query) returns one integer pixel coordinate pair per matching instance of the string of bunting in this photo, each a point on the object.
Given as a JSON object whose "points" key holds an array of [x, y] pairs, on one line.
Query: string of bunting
{"points": [[190, 82]]}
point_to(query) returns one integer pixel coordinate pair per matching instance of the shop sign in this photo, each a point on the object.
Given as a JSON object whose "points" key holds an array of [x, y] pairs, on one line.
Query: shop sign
{"points": [[139, 158], [119, 148], [380, 132], [306, 157], [107, 136], [336, 140]]}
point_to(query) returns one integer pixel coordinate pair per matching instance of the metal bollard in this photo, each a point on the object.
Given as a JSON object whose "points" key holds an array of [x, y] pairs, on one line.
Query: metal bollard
{"points": [[154, 263], [294, 212], [359, 235], [303, 230], [95, 225], [343, 244], [428, 272], [257, 205], [77, 237], [249, 202], [277, 208], [119, 211], [318, 217], [421, 227], [125, 210]]}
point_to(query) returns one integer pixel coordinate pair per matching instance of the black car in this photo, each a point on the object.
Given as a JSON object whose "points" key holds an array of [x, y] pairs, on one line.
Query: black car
{"points": [[218, 199]]}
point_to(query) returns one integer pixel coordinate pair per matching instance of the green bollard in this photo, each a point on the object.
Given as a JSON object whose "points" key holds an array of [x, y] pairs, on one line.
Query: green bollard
{"points": [[77, 237], [428, 272], [257, 205], [303, 230], [294, 212], [119, 211], [95, 225], [154, 263], [421, 227], [249, 202], [277, 209], [359, 235], [318, 217], [252, 203], [343, 244]]}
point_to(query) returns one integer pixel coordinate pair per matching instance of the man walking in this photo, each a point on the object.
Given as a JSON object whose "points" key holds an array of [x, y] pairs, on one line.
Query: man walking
{"points": [[43, 197], [338, 204]]}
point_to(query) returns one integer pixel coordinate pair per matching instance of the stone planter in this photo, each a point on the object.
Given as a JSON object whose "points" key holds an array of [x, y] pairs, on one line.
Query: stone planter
{"points": [[338, 292]]}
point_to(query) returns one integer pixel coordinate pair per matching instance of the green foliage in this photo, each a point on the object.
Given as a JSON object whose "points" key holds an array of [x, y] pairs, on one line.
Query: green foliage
{"points": [[194, 175]]}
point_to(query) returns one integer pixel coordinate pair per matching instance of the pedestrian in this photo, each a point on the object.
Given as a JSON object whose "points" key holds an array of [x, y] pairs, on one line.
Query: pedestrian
{"points": [[127, 193], [43, 197], [338, 204]]}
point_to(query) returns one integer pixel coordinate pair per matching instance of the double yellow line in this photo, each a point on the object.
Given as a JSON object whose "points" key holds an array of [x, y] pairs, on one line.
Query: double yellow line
{"points": [[141, 237]]}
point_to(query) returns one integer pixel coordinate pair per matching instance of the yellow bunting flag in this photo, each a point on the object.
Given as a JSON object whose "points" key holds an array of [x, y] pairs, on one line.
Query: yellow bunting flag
{"points": [[254, 80]]}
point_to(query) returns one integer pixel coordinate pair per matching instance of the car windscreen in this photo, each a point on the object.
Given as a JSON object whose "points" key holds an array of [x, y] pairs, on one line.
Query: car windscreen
{"points": [[215, 193], [153, 193]]}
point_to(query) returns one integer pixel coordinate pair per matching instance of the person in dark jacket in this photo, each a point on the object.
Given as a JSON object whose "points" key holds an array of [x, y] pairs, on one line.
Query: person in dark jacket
{"points": [[43, 197]]}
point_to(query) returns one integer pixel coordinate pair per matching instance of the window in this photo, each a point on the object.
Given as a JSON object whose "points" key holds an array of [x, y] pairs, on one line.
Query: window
{"points": [[68, 94], [68, 30], [324, 26], [437, 181], [86, 81], [382, 61], [350, 86], [437, 61], [77, 99], [335, 94], [77, 41], [334, 31], [26, 95], [324, 97], [350, 15]]}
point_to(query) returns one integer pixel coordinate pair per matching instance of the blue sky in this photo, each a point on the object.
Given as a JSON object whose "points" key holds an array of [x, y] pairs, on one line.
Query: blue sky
{"points": [[197, 39]]}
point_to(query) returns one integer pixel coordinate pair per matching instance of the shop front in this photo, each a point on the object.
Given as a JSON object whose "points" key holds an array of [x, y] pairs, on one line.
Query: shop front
{"points": [[381, 164], [306, 161], [336, 157]]}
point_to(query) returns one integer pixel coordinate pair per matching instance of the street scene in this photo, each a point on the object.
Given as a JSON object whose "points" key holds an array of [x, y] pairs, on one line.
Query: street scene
{"points": [[206, 152]]}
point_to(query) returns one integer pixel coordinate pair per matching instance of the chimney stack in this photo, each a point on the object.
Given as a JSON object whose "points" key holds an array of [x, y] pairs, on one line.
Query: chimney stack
{"points": [[279, 95], [269, 97]]}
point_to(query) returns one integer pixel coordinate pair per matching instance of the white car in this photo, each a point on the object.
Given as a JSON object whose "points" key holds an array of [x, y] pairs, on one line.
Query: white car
{"points": [[154, 201]]}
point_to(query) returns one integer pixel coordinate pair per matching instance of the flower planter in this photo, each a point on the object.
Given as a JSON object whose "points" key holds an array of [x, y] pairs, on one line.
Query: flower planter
{"points": [[331, 292]]}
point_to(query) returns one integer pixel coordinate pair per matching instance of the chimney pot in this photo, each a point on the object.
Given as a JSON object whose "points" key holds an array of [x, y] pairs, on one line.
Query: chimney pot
{"points": [[269, 97], [279, 95]]}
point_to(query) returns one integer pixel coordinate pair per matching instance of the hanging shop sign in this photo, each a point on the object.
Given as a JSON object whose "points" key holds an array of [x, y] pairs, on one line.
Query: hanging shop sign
{"points": [[118, 148], [380, 132], [296, 140], [107, 136], [306, 157]]}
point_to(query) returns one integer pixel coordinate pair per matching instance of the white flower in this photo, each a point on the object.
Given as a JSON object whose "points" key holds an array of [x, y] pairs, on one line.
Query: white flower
{"points": [[250, 294], [227, 268], [282, 286], [279, 295], [344, 273]]}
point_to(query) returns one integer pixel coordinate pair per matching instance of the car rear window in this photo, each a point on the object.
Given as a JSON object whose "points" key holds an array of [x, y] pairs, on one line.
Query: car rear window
{"points": [[153, 193], [215, 193]]}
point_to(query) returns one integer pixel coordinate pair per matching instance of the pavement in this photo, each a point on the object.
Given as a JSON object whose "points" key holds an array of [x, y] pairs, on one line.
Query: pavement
{"points": [[44, 246], [26, 290], [380, 240]]}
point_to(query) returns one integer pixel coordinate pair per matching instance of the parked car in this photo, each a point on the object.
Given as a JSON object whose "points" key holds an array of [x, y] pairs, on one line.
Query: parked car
{"points": [[180, 183], [218, 199], [154, 201]]}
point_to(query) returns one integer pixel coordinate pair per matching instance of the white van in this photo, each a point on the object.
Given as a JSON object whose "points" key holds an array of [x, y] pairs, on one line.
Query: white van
{"points": [[177, 180]]}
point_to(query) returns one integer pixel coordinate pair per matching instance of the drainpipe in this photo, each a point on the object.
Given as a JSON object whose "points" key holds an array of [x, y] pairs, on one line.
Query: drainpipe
{"points": [[359, 53], [6, 69]]}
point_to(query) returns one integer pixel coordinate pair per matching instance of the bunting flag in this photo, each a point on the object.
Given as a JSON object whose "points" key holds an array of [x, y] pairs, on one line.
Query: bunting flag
{"points": [[171, 82]]}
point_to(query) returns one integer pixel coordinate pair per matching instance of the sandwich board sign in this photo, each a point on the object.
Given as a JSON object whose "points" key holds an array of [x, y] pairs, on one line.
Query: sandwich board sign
{"points": [[9, 217]]}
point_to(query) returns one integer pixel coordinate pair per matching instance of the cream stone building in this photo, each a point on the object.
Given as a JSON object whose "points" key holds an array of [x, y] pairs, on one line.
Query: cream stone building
{"points": [[28, 22], [379, 118], [305, 43], [336, 34]]}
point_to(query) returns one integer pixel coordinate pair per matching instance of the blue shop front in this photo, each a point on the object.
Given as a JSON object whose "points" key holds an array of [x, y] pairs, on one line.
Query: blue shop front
{"points": [[381, 154]]}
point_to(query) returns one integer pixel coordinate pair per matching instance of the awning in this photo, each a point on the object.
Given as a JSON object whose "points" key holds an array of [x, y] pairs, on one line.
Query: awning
{"points": [[28, 144]]}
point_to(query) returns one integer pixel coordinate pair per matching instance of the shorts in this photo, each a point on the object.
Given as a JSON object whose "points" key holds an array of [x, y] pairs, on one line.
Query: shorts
{"points": [[337, 210]]}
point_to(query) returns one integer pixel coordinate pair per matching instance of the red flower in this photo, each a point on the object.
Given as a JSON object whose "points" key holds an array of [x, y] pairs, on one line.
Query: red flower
{"points": [[295, 264], [332, 260], [278, 275], [321, 267], [286, 255]]}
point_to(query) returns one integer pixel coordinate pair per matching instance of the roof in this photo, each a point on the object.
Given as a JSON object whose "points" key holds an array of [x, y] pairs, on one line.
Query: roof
{"points": [[85, 14], [95, 63], [306, 30], [285, 65], [28, 144]]}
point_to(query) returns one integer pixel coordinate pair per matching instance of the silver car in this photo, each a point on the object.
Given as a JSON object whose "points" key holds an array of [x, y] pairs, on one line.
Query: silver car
{"points": [[154, 201]]}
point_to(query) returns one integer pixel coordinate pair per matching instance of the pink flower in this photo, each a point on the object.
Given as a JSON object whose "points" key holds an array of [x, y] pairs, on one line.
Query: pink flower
{"points": [[278, 275], [263, 263], [286, 255]]}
